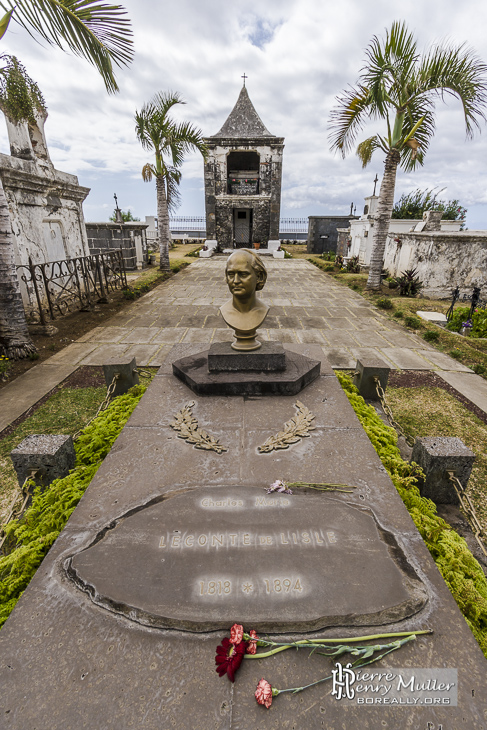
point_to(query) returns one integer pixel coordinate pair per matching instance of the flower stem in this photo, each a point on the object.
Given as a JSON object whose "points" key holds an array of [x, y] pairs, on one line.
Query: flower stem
{"points": [[311, 643], [397, 645], [322, 487]]}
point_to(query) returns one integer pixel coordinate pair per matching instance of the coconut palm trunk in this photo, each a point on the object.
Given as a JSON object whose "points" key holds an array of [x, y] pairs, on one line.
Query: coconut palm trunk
{"points": [[162, 224], [14, 335], [383, 218]]}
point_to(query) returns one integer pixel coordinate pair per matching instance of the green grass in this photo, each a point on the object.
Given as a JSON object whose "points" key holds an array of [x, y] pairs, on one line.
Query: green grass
{"points": [[64, 412], [30, 537], [434, 412]]}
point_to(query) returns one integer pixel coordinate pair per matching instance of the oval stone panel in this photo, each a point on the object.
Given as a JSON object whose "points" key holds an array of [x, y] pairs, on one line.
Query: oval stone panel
{"points": [[207, 558]]}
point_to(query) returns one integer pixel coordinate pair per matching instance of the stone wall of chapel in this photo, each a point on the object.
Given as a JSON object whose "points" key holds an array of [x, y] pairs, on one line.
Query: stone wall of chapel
{"points": [[265, 205]]}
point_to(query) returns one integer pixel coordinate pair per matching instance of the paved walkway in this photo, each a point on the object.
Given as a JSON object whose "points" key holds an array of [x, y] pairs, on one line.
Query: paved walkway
{"points": [[306, 306]]}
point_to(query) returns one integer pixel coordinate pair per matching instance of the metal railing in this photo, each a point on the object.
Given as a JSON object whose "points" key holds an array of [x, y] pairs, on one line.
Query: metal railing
{"points": [[293, 225], [63, 286], [181, 223]]}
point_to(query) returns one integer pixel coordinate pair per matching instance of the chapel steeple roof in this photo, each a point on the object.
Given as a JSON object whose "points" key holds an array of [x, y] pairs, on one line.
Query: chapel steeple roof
{"points": [[243, 120]]}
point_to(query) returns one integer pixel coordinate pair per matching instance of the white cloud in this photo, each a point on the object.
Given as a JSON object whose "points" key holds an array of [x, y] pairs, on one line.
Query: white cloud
{"points": [[298, 55]]}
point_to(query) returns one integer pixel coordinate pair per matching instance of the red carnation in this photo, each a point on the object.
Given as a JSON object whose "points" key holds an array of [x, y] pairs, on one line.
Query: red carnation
{"points": [[263, 693], [236, 634], [229, 657], [252, 644]]}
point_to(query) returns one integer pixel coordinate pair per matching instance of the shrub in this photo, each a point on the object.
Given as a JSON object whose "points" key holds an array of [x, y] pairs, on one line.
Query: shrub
{"points": [[409, 283], [479, 369], [457, 354], [478, 321], [431, 336], [412, 321], [384, 303], [328, 255], [414, 204], [399, 314], [328, 268], [129, 293], [353, 266]]}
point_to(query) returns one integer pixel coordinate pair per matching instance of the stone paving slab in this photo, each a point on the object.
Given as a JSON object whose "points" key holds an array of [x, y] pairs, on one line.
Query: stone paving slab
{"points": [[471, 386], [19, 395], [105, 334], [72, 354], [445, 362], [406, 359]]}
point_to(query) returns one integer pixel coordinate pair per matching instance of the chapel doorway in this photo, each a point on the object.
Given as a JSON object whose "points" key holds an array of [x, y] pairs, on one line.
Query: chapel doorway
{"points": [[242, 227]]}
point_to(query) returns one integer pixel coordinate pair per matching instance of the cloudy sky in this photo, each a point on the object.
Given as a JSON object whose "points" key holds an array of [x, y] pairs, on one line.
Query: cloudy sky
{"points": [[298, 55]]}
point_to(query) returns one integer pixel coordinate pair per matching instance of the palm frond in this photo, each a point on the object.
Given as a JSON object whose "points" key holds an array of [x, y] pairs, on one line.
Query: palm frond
{"points": [[390, 63], [94, 30], [4, 23], [185, 138], [148, 172], [366, 149], [165, 100], [173, 178], [457, 72], [348, 118]]}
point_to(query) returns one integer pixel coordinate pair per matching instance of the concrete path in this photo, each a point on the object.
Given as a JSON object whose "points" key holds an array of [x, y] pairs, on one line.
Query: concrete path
{"points": [[307, 306]]}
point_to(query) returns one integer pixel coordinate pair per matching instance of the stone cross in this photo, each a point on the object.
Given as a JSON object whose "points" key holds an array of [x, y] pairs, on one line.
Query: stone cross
{"points": [[244, 77]]}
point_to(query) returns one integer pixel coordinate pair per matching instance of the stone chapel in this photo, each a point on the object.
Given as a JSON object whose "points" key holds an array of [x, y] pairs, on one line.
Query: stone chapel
{"points": [[243, 173]]}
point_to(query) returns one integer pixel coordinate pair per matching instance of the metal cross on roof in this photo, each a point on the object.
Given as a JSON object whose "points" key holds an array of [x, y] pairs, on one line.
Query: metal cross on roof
{"points": [[375, 183], [244, 77], [116, 201]]}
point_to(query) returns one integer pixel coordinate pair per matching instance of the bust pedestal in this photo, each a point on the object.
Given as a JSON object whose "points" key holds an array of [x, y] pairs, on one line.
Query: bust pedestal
{"points": [[244, 324]]}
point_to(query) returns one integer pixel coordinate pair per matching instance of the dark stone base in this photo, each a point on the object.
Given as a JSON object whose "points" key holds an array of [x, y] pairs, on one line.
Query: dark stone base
{"points": [[270, 357], [299, 372]]}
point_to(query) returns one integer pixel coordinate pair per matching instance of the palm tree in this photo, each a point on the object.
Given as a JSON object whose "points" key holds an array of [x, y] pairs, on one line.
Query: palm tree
{"points": [[400, 86], [102, 35], [169, 141]]}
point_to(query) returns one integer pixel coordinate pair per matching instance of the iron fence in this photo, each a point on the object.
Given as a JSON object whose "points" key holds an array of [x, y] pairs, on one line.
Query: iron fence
{"points": [[181, 223], [474, 298], [79, 283]]}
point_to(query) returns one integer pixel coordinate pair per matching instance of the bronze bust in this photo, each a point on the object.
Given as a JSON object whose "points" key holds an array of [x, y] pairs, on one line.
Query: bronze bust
{"points": [[245, 274]]}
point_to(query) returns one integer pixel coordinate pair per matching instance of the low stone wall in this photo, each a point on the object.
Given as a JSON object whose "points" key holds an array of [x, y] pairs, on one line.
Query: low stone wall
{"points": [[323, 232], [105, 237], [442, 260]]}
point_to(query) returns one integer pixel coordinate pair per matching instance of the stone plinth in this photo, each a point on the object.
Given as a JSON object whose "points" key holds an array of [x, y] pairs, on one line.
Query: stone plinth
{"points": [[368, 369], [125, 373], [270, 357], [52, 455], [299, 372], [436, 455]]}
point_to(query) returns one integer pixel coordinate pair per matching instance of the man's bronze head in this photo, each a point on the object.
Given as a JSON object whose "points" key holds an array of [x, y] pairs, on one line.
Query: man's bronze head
{"points": [[245, 273]]}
